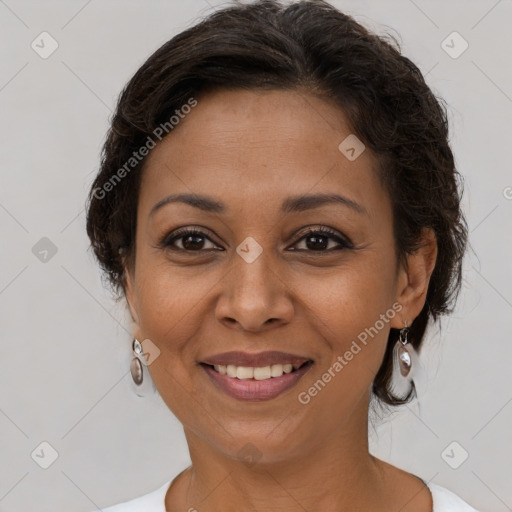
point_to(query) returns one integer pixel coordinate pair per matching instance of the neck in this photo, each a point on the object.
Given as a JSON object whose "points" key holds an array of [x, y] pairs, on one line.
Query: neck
{"points": [[337, 473]]}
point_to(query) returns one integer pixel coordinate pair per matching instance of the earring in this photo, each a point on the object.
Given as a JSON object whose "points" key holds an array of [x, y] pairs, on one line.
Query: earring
{"points": [[143, 384], [136, 365], [404, 358], [406, 366]]}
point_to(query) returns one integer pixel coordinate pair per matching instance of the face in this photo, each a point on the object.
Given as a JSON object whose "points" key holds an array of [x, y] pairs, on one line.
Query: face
{"points": [[258, 276]]}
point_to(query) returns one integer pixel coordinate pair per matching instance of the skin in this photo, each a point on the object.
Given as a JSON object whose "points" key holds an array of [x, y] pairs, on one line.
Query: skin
{"points": [[251, 150]]}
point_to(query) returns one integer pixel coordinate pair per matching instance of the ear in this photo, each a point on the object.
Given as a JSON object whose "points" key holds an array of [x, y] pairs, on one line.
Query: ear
{"points": [[413, 281], [129, 292]]}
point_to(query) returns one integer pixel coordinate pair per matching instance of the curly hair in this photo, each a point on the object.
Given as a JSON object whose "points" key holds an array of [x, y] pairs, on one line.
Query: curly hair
{"points": [[310, 45]]}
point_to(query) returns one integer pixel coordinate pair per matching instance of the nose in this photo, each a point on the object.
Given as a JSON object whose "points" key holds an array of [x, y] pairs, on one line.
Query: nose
{"points": [[254, 296]]}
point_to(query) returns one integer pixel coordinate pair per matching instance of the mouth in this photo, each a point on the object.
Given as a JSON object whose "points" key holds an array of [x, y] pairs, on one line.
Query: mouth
{"points": [[273, 371], [256, 383]]}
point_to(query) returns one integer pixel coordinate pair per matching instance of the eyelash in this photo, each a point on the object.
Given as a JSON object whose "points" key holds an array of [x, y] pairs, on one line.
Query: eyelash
{"points": [[167, 243]]}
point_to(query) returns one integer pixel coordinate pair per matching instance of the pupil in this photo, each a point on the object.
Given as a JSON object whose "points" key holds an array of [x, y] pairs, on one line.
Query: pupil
{"points": [[194, 245], [316, 239]]}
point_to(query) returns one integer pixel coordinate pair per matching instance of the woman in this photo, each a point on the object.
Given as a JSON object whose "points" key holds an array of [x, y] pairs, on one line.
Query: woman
{"points": [[278, 204]]}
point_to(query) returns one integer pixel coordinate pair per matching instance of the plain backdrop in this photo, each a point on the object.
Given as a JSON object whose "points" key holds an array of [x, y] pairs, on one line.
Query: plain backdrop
{"points": [[65, 344]]}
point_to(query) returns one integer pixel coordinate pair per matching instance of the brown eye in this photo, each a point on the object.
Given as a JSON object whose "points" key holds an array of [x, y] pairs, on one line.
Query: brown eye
{"points": [[318, 240], [191, 240], [194, 240]]}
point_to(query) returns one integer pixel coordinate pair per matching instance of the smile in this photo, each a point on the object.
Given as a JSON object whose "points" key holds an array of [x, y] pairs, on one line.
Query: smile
{"points": [[256, 373], [258, 383]]}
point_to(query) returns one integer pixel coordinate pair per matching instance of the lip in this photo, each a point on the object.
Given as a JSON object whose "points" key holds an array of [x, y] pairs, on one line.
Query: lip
{"points": [[239, 358], [252, 390]]}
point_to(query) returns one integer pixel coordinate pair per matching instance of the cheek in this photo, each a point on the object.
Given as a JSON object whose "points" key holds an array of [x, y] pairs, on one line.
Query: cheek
{"points": [[353, 297], [352, 311], [168, 296]]}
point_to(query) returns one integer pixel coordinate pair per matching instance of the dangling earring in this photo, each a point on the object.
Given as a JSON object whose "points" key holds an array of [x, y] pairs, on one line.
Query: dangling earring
{"points": [[406, 365], [143, 384], [404, 358]]}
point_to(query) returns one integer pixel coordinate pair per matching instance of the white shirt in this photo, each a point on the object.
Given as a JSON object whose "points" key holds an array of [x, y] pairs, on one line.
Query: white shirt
{"points": [[444, 501]]}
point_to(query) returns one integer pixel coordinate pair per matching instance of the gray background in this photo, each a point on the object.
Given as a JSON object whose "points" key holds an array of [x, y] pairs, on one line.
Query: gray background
{"points": [[65, 344]]}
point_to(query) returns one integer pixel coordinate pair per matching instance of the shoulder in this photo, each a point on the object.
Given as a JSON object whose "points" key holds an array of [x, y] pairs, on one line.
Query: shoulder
{"points": [[447, 501], [154, 501]]}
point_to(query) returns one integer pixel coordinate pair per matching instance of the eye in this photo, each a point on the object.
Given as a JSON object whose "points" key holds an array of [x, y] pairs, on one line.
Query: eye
{"points": [[194, 240], [320, 238], [191, 240]]}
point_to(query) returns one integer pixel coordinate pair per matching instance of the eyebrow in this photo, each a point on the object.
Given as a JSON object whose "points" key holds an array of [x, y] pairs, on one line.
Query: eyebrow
{"points": [[290, 205]]}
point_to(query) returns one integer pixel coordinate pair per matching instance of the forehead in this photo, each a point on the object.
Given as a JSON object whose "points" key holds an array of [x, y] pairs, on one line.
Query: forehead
{"points": [[254, 145], [253, 121]]}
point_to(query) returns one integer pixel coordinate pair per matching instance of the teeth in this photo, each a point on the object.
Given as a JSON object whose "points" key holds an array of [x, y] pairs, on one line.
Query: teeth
{"points": [[243, 372], [265, 372], [221, 369], [256, 373]]}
